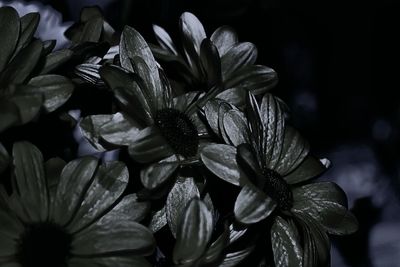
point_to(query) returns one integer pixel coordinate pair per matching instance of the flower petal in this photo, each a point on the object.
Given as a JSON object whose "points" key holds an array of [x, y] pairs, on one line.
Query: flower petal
{"points": [[235, 126], [194, 232], [149, 146], [326, 202], [235, 96], [109, 183], [28, 106], [234, 258], [295, 149], [180, 195], [31, 181], [257, 79], [211, 62], [4, 158], [130, 208], [9, 31], [221, 160], [252, 205], [285, 245], [224, 38], [128, 93], [113, 236], [9, 114], [118, 129], [308, 169], [71, 188], [157, 173], [164, 40], [120, 261], [274, 126], [237, 57]]}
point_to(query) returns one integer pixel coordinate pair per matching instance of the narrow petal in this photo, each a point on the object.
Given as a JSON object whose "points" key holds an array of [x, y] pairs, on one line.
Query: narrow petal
{"points": [[157, 173], [180, 195], [224, 38], [257, 79], [150, 146], [234, 258], [11, 227], [252, 205], [274, 126], [221, 160], [4, 158], [71, 189], [112, 236], [308, 169], [326, 203], [194, 232], [235, 125], [211, 62], [237, 57], [295, 149], [164, 39], [108, 185], [9, 114], [285, 245], [31, 180], [118, 129], [9, 30]]}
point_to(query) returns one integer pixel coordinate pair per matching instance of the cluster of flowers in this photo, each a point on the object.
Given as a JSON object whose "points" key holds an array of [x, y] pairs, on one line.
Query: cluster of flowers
{"points": [[220, 169]]}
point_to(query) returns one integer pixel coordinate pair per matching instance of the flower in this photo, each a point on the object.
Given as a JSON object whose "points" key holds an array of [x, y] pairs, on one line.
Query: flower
{"points": [[220, 60], [271, 161], [159, 129], [70, 214], [26, 84]]}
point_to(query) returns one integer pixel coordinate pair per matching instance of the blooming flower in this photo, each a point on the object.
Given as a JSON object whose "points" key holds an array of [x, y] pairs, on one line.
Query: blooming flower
{"points": [[220, 60], [271, 161], [70, 214]]}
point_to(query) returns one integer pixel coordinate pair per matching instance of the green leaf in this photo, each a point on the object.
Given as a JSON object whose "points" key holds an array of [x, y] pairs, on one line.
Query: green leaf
{"points": [[194, 232], [150, 146], [116, 129], [22, 65], [158, 220], [308, 169], [157, 173], [326, 202], [56, 90], [128, 93], [257, 79], [4, 158], [285, 245], [31, 181], [224, 38], [221, 160], [180, 195], [237, 57], [164, 40], [56, 59], [9, 32], [252, 205], [29, 24]]}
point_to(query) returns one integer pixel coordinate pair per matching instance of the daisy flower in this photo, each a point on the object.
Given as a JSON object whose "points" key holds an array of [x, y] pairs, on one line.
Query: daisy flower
{"points": [[205, 62], [271, 162], [71, 214]]}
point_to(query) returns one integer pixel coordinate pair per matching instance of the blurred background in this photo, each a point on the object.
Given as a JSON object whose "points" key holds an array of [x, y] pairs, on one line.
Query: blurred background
{"points": [[338, 70]]}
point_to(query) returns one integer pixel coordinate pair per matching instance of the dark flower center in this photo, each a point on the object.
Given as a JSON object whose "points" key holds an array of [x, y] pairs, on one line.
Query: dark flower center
{"points": [[178, 129], [44, 244], [277, 188]]}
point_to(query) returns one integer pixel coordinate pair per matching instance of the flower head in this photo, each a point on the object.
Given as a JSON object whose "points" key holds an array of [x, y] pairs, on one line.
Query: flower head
{"points": [[271, 161], [66, 214]]}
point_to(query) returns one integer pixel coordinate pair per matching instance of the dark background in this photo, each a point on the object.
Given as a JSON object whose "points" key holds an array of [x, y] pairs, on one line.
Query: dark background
{"points": [[338, 70]]}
